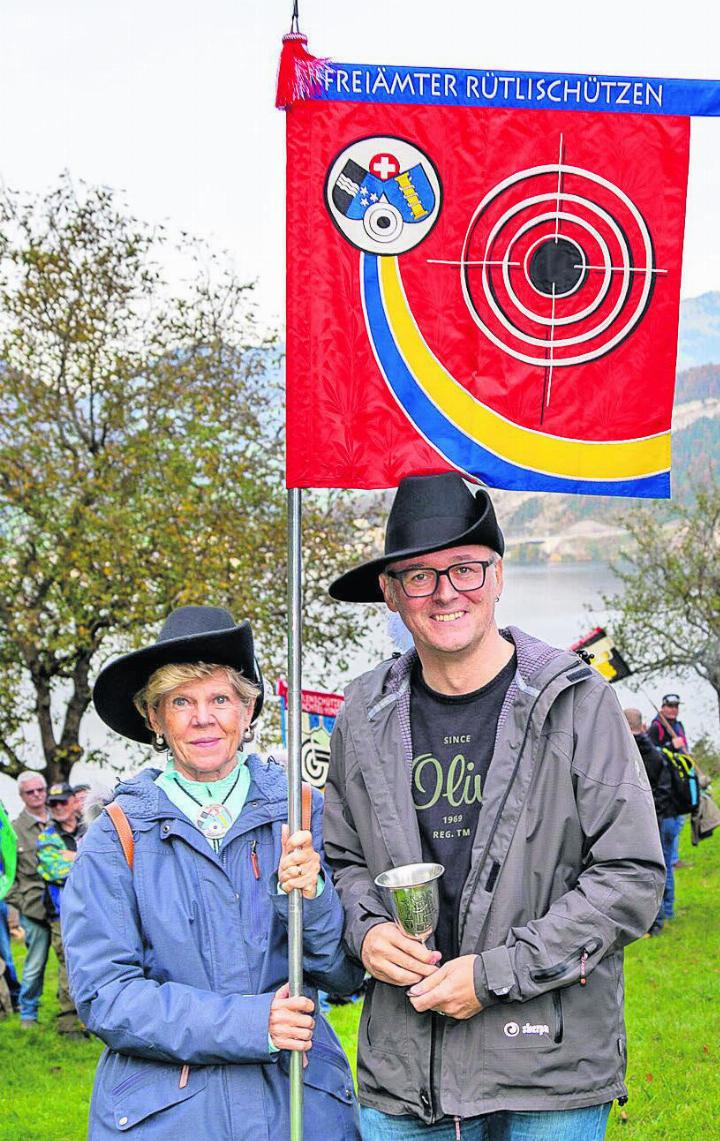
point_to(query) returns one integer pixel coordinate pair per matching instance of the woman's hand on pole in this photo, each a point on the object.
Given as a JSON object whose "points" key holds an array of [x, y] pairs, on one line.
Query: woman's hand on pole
{"points": [[291, 1022], [299, 865]]}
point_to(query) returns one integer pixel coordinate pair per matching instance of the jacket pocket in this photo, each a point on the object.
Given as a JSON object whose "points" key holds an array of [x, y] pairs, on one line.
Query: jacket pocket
{"points": [[537, 1024], [257, 868], [558, 1010], [142, 1088], [558, 970], [384, 1021], [329, 1095]]}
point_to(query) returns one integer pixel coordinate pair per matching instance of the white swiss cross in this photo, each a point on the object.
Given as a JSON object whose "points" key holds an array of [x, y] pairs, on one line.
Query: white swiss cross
{"points": [[384, 166]]}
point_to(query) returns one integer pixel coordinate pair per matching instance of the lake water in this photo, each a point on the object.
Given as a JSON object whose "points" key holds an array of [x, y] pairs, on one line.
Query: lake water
{"points": [[551, 601]]}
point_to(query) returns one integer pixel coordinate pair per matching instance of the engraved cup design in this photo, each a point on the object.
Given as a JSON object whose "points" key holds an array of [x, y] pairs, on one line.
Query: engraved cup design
{"points": [[413, 894]]}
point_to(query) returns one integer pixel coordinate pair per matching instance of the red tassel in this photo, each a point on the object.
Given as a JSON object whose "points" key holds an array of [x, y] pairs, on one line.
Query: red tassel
{"points": [[300, 74]]}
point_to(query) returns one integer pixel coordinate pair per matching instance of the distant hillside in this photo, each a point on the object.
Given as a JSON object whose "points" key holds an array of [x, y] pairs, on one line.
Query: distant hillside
{"points": [[700, 383], [699, 341]]}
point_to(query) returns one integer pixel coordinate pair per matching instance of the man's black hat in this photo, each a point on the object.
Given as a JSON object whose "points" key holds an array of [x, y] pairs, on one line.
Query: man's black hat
{"points": [[190, 634], [429, 513], [671, 699], [60, 793]]}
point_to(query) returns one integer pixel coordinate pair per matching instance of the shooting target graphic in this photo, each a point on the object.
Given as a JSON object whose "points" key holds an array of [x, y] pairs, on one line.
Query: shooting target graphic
{"points": [[557, 266], [557, 269], [493, 290]]}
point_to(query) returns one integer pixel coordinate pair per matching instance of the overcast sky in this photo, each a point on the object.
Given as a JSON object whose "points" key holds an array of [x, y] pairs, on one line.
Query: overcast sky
{"points": [[173, 101]]}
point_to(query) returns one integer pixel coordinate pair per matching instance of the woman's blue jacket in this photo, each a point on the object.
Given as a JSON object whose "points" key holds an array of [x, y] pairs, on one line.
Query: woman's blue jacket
{"points": [[176, 963]]}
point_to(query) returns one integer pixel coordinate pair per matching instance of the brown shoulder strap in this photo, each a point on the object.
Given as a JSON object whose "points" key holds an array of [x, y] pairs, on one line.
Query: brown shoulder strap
{"points": [[123, 829], [306, 815]]}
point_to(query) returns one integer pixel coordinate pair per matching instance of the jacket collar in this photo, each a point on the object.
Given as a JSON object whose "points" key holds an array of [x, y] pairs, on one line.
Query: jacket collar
{"points": [[144, 800], [29, 820]]}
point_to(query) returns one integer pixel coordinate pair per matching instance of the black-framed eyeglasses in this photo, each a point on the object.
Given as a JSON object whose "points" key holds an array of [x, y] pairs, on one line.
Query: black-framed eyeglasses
{"points": [[421, 582]]}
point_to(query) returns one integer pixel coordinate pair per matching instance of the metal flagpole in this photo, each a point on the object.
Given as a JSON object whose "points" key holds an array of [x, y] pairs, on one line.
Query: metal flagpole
{"points": [[295, 913]]}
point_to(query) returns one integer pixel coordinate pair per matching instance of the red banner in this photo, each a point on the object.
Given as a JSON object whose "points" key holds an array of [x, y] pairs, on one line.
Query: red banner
{"points": [[313, 700], [489, 290]]}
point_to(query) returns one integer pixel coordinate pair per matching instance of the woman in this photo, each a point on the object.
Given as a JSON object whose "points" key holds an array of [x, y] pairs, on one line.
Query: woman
{"points": [[180, 963]]}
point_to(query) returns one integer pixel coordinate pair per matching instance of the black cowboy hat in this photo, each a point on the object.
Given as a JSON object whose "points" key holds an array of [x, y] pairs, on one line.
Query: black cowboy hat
{"points": [[189, 634], [429, 513]]}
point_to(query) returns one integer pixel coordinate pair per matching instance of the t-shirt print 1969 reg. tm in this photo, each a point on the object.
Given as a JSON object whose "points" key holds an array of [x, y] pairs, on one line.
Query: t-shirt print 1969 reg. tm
{"points": [[453, 740]]}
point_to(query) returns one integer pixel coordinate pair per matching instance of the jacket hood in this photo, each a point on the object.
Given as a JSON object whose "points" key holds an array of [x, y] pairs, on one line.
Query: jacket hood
{"points": [[536, 661]]}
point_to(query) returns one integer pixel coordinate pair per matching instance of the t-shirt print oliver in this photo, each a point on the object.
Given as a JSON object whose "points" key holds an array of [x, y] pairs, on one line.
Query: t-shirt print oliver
{"points": [[453, 740]]}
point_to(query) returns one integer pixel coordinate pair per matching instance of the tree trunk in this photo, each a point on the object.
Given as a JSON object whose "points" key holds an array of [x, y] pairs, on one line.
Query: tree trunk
{"points": [[44, 719]]}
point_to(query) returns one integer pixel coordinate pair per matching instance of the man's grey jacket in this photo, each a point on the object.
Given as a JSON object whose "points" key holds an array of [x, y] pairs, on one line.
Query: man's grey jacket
{"points": [[566, 869]]}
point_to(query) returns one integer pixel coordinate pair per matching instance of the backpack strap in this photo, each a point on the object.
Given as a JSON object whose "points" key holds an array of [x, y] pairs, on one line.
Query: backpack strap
{"points": [[306, 814], [123, 829]]}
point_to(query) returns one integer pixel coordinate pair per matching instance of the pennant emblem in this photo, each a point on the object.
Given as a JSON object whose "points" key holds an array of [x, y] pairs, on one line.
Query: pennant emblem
{"points": [[383, 195]]}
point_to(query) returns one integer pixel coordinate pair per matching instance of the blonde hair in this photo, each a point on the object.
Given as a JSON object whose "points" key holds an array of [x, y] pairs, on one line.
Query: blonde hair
{"points": [[167, 678]]}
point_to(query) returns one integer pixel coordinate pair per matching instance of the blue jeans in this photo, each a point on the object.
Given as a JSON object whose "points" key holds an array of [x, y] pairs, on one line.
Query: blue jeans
{"points": [[549, 1125], [37, 938], [669, 830], [680, 824], [6, 953]]}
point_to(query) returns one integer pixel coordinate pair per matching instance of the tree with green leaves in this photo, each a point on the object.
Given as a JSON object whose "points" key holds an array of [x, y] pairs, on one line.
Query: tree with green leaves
{"points": [[667, 616], [141, 463]]}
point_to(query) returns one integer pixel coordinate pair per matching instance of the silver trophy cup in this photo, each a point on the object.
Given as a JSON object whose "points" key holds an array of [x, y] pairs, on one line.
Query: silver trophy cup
{"points": [[413, 894]]}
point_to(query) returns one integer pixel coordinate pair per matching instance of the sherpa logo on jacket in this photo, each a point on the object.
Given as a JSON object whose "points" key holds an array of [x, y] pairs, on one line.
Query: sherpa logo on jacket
{"points": [[511, 1029]]}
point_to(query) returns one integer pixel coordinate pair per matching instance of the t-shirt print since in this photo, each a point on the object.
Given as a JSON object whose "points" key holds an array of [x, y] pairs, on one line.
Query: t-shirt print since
{"points": [[453, 740]]}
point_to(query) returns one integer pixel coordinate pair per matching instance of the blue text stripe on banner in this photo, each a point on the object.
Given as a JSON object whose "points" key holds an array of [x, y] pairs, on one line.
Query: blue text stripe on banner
{"points": [[542, 90]]}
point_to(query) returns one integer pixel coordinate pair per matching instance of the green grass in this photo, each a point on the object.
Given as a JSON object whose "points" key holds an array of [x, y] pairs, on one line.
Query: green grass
{"points": [[673, 1015]]}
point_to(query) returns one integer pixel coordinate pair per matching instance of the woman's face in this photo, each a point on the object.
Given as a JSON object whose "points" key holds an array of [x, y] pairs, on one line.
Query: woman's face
{"points": [[203, 722]]}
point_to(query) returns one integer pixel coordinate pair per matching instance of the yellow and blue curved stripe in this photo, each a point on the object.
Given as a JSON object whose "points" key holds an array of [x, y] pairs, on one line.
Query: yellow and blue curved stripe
{"points": [[477, 440]]}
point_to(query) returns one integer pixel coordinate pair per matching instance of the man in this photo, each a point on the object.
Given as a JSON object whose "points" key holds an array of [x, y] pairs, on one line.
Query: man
{"points": [[81, 791], [658, 775], [668, 732], [57, 849], [510, 763], [28, 894]]}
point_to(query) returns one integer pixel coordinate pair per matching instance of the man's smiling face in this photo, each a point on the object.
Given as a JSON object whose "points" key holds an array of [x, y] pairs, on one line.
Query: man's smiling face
{"points": [[449, 621]]}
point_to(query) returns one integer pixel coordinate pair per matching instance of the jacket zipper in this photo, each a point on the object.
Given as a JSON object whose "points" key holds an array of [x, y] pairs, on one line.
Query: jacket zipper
{"points": [[488, 843], [559, 969], [254, 859], [255, 866], [557, 1003]]}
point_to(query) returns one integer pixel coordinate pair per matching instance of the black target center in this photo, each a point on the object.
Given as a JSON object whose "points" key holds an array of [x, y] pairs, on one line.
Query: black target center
{"points": [[382, 222], [556, 267]]}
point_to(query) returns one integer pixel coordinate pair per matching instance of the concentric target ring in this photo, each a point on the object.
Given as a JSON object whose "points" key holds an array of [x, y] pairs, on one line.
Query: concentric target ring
{"points": [[563, 216], [627, 268], [604, 286]]}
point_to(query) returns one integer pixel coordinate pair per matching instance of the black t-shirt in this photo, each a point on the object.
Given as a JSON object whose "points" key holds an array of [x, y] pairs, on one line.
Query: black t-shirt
{"points": [[453, 741]]}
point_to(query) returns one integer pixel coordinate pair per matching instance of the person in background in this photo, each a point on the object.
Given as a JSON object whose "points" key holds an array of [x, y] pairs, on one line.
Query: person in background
{"points": [[57, 849], [8, 863], [667, 731], [81, 791], [658, 774], [28, 894]]}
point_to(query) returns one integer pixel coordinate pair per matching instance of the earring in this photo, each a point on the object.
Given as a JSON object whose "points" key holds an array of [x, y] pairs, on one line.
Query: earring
{"points": [[159, 741], [497, 597]]}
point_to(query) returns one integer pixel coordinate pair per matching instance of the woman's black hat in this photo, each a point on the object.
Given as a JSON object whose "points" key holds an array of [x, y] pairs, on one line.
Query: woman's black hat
{"points": [[189, 634], [429, 513]]}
